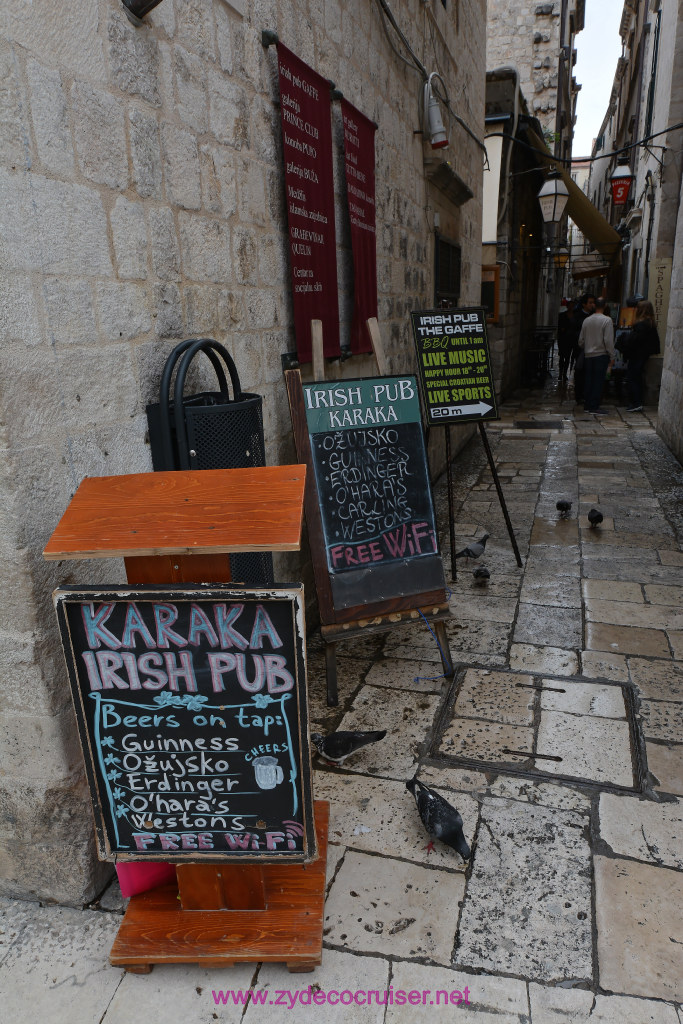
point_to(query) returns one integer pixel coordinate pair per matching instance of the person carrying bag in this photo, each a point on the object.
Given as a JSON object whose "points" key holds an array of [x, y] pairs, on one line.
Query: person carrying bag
{"points": [[643, 343]]}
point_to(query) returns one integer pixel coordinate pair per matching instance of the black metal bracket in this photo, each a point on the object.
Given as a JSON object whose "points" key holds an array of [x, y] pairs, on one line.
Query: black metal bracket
{"points": [[269, 38]]}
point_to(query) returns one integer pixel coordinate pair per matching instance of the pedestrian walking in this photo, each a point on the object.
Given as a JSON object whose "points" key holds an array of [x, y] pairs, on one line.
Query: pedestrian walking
{"points": [[586, 309], [596, 340], [643, 343], [568, 328]]}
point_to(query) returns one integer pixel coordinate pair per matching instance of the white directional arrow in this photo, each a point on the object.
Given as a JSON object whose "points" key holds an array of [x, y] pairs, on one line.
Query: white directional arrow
{"points": [[452, 411]]}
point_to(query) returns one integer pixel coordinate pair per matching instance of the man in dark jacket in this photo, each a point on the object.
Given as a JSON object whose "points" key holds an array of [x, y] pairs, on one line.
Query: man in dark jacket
{"points": [[586, 309]]}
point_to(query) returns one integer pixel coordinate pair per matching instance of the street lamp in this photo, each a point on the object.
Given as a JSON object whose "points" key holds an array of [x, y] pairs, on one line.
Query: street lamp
{"points": [[561, 257], [620, 179], [553, 198]]}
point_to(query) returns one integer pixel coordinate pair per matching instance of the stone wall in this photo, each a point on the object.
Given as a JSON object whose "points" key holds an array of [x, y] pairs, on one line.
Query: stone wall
{"points": [[670, 422], [527, 36], [141, 203]]}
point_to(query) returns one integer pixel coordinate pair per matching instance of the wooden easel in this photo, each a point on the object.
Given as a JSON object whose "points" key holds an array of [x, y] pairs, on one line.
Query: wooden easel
{"points": [[318, 359], [181, 527]]}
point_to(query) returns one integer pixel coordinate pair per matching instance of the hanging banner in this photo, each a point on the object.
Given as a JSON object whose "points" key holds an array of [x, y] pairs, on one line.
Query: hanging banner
{"points": [[359, 159], [307, 151]]}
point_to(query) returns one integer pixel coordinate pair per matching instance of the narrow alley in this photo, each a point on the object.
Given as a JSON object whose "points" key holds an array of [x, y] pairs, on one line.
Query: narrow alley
{"points": [[559, 740]]}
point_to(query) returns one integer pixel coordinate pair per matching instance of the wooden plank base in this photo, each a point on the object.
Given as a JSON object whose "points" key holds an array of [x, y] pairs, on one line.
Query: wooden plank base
{"points": [[156, 930]]}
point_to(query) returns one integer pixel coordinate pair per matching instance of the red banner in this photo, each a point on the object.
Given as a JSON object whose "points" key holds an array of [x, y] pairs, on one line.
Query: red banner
{"points": [[307, 148], [359, 153]]}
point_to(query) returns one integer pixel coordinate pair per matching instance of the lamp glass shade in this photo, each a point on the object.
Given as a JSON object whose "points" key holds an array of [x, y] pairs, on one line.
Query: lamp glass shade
{"points": [[553, 198]]}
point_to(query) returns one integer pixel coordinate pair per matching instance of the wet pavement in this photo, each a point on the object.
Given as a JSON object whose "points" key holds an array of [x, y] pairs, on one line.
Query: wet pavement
{"points": [[560, 740]]}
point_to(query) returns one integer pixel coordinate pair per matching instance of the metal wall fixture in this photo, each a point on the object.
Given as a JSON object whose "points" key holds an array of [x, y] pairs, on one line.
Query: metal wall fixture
{"points": [[137, 9], [431, 115]]}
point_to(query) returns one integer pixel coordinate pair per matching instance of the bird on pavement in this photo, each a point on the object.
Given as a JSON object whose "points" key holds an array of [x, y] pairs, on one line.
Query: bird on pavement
{"points": [[339, 745], [564, 507], [440, 819], [481, 574], [594, 517], [474, 550]]}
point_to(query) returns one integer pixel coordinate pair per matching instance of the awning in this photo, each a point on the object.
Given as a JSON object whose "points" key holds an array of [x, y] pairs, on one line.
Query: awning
{"points": [[592, 264], [587, 217]]}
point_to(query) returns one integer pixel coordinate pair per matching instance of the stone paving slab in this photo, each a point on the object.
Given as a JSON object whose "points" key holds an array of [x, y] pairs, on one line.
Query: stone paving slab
{"points": [[626, 640], [623, 613], [490, 1000], [558, 630], [665, 761], [179, 992], [657, 680], [402, 674], [496, 696], [575, 1006], [639, 913], [559, 591], [528, 904], [339, 973], [406, 717], [643, 829], [550, 660], [662, 720], [393, 908], [596, 749], [47, 977], [601, 665], [583, 698], [482, 740]]}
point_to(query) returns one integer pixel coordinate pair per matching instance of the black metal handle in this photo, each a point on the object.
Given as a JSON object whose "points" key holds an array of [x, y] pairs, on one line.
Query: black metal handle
{"points": [[210, 347], [165, 392]]}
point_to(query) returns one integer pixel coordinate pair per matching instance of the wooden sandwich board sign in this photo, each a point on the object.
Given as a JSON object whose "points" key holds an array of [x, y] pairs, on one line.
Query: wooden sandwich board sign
{"points": [[192, 714], [368, 504], [454, 364]]}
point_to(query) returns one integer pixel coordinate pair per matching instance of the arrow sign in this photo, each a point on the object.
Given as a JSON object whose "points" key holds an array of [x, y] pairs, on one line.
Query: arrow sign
{"points": [[472, 409], [454, 365]]}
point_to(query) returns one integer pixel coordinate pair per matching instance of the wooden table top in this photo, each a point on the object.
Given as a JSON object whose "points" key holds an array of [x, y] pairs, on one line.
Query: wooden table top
{"points": [[186, 512]]}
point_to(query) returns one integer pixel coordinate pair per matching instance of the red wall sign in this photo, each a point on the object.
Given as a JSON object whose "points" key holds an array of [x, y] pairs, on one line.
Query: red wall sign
{"points": [[620, 190], [359, 152], [307, 149]]}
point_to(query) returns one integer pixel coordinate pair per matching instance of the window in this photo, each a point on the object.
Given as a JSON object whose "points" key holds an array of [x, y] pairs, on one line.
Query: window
{"points": [[490, 292], [446, 273]]}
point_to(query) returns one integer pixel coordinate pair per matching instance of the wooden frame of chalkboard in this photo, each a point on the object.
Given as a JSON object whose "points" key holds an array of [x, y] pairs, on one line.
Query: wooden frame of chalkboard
{"points": [[191, 708], [363, 443]]}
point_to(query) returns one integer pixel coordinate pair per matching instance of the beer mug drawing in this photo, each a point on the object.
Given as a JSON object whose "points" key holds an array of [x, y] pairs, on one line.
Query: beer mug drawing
{"points": [[268, 772]]}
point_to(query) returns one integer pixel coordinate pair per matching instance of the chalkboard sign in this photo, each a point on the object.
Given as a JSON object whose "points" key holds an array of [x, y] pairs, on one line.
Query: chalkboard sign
{"points": [[454, 364], [192, 713], [372, 480]]}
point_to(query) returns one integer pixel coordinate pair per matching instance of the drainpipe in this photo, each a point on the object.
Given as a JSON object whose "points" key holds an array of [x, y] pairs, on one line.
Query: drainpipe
{"points": [[562, 72]]}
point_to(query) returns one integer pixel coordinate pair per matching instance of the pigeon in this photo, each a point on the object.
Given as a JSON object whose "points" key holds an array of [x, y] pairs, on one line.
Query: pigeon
{"points": [[338, 745], [438, 817], [475, 550], [564, 507], [481, 574], [594, 517]]}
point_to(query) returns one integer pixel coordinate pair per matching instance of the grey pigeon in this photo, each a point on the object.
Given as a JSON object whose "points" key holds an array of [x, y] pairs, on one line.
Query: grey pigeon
{"points": [[474, 550], [564, 507], [440, 819], [481, 574], [338, 745], [594, 517]]}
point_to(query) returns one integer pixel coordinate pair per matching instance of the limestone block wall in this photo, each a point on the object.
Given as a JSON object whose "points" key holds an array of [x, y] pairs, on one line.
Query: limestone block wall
{"points": [[141, 202], [670, 422], [527, 36]]}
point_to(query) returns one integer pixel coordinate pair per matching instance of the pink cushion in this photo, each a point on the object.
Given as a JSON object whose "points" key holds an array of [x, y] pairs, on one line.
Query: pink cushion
{"points": [[139, 876]]}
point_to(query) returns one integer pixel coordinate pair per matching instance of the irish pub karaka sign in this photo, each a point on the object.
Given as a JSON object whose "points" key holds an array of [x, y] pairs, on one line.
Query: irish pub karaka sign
{"points": [[454, 365]]}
